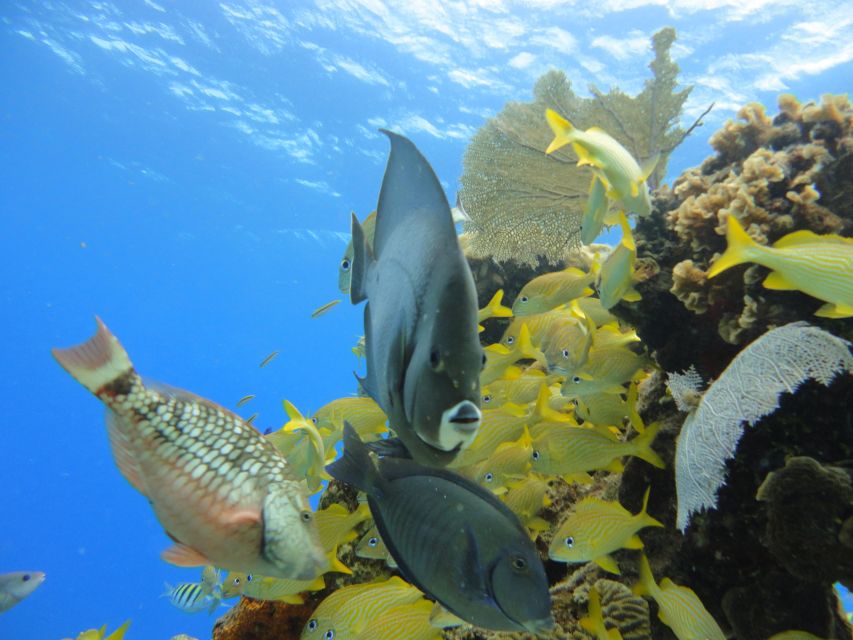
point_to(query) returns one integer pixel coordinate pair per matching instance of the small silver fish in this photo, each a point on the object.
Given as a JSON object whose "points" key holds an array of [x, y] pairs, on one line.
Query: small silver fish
{"points": [[244, 400], [268, 359], [16, 586]]}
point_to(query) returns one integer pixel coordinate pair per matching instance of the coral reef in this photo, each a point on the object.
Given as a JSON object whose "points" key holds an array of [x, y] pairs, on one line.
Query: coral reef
{"points": [[525, 205]]}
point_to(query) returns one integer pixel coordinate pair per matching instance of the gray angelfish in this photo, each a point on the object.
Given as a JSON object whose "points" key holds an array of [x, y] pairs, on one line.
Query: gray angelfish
{"points": [[16, 586], [452, 539], [422, 348]]}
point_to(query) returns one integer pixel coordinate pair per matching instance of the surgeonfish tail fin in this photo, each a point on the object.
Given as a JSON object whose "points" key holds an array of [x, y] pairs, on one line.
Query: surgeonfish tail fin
{"points": [[648, 520], [360, 255], [97, 362], [643, 444], [738, 250], [562, 129], [355, 466]]}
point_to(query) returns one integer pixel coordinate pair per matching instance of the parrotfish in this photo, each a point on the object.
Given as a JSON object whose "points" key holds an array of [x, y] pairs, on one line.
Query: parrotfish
{"points": [[618, 170], [452, 539], [593, 622], [423, 352], [560, 450], [264, 588], [616, 280], [596, 529], [679, 607], [223, 493], [16, 586], [347, 611], [550, 290], [820, 266]]}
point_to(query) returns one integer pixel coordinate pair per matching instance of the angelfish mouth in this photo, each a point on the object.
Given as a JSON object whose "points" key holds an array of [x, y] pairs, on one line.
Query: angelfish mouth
{"points": [[465, 417], [458, 427]]}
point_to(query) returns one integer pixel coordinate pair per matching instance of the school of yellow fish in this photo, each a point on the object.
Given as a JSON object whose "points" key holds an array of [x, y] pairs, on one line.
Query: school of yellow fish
{"points": [[558, 398]]}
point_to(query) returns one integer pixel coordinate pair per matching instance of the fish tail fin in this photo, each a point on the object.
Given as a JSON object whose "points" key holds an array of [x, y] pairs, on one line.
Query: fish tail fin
{"points": [[738, 249], [562, 129], [355, 466], [96, 362], [361, 255], [644, 516], [646, 585], [643, 446], [495, 309]]}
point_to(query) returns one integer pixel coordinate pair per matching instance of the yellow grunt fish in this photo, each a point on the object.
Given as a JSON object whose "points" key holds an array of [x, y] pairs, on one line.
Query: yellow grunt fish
{"points": [[319, 311], [515, 388], [498, 357], [550, 290], [606, 371], [498, 426], [616, 280], [510, 462], [263, 588], [612, 163], [101, 634], [336, 525], [820, 266], [347, 611], [598, 528], [409, 621], [372, 547], [221, 491], [526, 498], [795, 635], [593, 622], [591, 307], [566, 344], [679, 607], [597, 212], [345, 266], [560, 450], [538, 325], [366, 417], [302, 444]]}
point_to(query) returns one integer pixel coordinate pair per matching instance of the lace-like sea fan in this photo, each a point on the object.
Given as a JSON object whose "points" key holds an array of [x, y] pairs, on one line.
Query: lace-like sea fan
{"points": [[749, 389], [524, 204]]}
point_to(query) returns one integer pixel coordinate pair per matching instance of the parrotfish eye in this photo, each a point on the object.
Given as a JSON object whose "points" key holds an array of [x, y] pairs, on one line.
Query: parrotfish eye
{"points": [[26, 577], [489, 477], [312, 624], [487, 399], [535, 456], [565, 353], [570, 542], [524, 299], [576, 379], [519, 563], [344, 265], [329, 634], [435, 359], [306, 516], [510, 339], [373, 541]]}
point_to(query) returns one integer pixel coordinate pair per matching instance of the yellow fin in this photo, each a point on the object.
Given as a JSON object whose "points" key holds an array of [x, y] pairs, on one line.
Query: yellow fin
{"points": [[837, 310], [778, 282], [634, 542], [738, 250], [562, 129], [648, 166], [608, 564], [632, 295], [808, 237]]}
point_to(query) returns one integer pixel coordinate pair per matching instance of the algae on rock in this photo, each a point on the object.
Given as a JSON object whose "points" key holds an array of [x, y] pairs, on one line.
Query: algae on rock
{"points": [[524, 204]]}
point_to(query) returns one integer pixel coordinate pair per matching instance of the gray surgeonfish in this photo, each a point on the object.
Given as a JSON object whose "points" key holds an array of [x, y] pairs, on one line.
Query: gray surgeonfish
{"points": [[420, 322], [452, 539]]}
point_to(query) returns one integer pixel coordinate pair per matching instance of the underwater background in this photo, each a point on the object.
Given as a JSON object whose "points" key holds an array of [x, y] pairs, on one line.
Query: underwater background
{"points": [[186, 171]]}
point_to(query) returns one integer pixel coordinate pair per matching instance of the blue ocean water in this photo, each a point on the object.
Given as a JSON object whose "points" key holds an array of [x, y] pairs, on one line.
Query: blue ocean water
{"points": [[187, 174]]}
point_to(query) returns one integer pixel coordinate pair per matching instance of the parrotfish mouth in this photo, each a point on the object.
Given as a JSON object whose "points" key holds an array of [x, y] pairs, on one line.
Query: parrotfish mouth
{"points": [[459, 426]]}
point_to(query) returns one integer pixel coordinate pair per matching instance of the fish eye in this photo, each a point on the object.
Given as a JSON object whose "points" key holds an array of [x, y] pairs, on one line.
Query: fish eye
{"points": [[576, 379], [249, 577], [312, 624], [489, 477], [344, 265], [565, 353], [314, 420], [306, 516], [236, 582], [435, 359], [519, 563], [26, 577], [510, 339], [329, 634], [535, 456], [373, 541], [570, 542], [487, 398], [483, 361], [524, 299]]}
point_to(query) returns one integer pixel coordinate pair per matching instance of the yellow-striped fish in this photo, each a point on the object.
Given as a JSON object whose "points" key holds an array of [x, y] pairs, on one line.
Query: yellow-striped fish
{"points": [[494, 308], [498, 426], [820, 266], [611, 162], [509, 462], [372, 547], [597, 212], [336, 525], [592, 308], [538, 325], [516, 388], [598, 528], [566, 344], [679, 607], [101, 634], [222, 492], [561, 450], [263, 588], [319, 311], [499, 357], [551, 290], [366, 417], [347, 611], [795, 635], [593, 621], [606, 370], [526, 498], [616, 280], [409, 621], [303, 444]]}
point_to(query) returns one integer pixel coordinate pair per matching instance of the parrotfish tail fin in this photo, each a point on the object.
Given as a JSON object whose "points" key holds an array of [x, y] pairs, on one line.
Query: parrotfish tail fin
{"points": [[646, 586], [562, 129], [97, 362], [361, 255], [643, 444], [355, 466], [738, 250], [648, 520]]}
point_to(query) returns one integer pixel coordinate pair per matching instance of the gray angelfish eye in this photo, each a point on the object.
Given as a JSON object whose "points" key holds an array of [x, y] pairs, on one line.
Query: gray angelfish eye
{"points": [[570, 542], [345, 265]]}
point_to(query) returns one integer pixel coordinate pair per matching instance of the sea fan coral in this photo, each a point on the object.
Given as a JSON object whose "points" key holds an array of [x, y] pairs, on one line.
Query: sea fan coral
{"points": [[749, 389]]}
